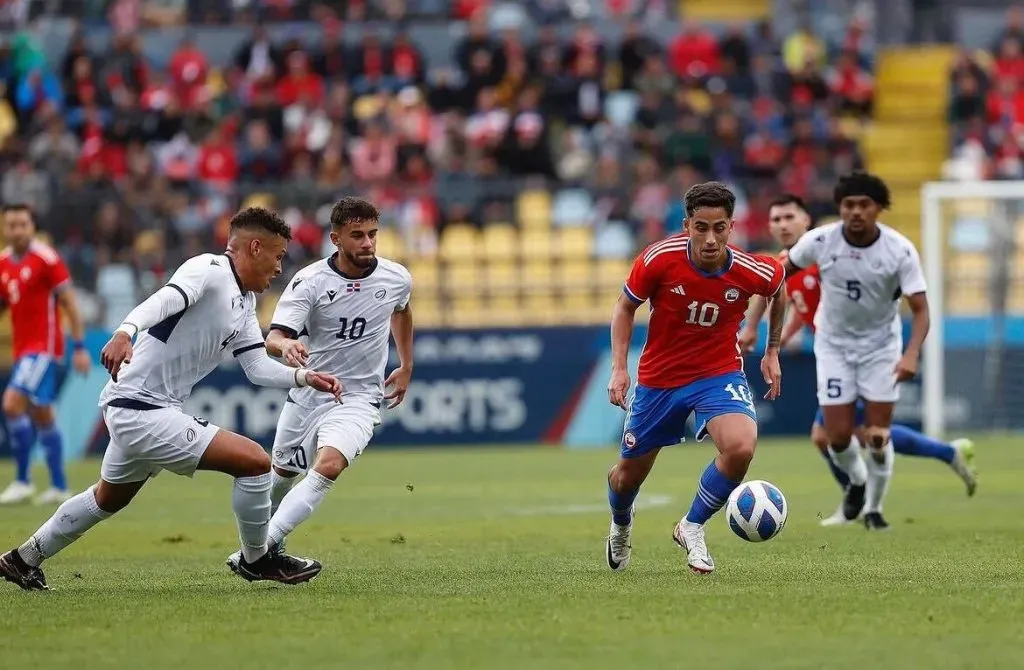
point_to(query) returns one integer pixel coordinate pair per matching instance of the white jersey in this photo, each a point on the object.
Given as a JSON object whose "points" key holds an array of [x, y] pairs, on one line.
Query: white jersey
{"points": [[347, 323], [861, 287], [219, 319]]}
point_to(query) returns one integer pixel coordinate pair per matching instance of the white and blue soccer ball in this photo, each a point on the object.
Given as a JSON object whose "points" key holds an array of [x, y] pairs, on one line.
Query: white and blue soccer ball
{"points": [[757, 510]]}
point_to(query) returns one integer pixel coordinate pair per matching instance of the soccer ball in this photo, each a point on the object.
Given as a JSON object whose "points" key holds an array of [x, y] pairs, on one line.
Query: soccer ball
{"points": [[757, 511]]}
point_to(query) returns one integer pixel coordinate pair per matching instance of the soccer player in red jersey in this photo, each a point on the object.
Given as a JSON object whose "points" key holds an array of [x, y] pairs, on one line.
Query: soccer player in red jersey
{"points": [[33, 283], [788, 221], [698, 287]]}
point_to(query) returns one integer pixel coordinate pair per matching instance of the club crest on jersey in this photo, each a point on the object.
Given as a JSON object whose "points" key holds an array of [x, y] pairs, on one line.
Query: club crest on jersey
{"points": [[809, 281], [352, 287], [26, 273], [629, 439], [732, 295], [379, 295], [237, 301], [331, 294]]}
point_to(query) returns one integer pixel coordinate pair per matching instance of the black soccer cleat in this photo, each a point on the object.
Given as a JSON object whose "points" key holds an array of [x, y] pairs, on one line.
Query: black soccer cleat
{"points": [[875, 521], [15, 570], [279, 567], [853, 502]]}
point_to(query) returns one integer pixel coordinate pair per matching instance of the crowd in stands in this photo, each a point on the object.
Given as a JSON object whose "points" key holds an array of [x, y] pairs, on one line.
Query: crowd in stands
{"points": [[133, 165]]}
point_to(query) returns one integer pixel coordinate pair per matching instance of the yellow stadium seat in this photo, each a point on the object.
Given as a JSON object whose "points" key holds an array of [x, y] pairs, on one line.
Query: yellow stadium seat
{"points": [[390, 244], [968, 265], [467, 311], [425, 277], [535, 245], [967, 298], [576, 242], [463, 279], [575, 275], [265, 308], [427, 312], [533, 209], [540, 309], [504, 311], [502, 278], [577, 307], [460, 242], [500, 241], [536, 276], [1015, 301], [613, 273]]}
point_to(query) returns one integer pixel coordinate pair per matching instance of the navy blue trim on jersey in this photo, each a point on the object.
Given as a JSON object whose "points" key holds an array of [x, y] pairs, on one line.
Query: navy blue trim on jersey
{"points": [[179, 290], [290, 332], [333, 264], [238, 280], [632, 296], [129, 403], [718, 273], [162, 331], [251, 347]]}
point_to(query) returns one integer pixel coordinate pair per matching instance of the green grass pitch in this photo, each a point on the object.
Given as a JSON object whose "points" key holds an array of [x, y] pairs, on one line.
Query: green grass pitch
{"points": [[493, 558]]}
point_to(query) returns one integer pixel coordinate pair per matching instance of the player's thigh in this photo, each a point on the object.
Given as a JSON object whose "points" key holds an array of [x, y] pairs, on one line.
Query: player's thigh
{"points": [[656, 418], [234, 455], [840, 422], [15, 401], [42, 415], [342, 436], [293, 445], [723, 408], [836, 375]]}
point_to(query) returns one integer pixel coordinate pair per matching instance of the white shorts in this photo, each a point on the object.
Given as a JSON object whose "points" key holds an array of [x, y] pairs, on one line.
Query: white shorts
{"points": [[144, 442], [301, 433], [844, 375]]}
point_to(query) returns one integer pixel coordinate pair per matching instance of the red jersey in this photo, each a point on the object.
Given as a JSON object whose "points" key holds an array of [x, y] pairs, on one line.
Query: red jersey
{"points": [[695, 317], [29, 284], [804, 291]]}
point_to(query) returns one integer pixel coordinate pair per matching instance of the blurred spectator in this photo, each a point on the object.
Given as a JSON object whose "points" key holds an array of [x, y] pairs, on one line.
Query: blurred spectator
{"points": [[803, 50], [695, 52]]}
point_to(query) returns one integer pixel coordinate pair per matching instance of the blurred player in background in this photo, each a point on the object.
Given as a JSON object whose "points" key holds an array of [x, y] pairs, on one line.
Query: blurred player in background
{"points": [[205, 312], [345, 307], [34, 283], [699, 289], [864, 268], [788, 221]]}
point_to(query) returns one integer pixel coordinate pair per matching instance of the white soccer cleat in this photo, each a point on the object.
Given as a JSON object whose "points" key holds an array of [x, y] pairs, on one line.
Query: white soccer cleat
{"points": [[619, 546], [17, 493], [837, 518], [233, 561], [690, 536], [963, 464], [52, 496]]}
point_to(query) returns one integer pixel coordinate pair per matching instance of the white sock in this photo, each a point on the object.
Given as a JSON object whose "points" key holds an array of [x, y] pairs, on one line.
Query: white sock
{"points": [[299, 504], [279, 488], [879, 474], [851, 462], [250, 499], [75, 516]]}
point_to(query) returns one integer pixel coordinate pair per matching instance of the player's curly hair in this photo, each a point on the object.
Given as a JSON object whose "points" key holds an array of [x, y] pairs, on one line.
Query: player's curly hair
{"points": [[862, 183], [709, 194], [351, 209], [261, 219]]}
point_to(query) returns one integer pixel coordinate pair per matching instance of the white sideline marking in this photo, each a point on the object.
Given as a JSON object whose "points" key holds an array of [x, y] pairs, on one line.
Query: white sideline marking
{"points": [[645, 502]]}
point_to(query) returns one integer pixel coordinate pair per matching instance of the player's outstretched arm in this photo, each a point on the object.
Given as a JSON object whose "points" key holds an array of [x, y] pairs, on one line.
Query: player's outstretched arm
{"points": [[771, 369], [284, 345], [263, 370], [623, 316], [920, 324], [398, 380], [69, 303]]}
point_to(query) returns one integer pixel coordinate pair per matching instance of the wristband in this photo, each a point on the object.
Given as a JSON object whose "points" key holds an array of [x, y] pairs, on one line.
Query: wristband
{"points": [[78, 345], [129, 329], [300, 377]]}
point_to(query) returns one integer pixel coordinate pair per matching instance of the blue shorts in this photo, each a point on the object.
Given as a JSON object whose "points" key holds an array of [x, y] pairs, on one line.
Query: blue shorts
{"points": [[38, 377], [657, 417], [819, 418]]}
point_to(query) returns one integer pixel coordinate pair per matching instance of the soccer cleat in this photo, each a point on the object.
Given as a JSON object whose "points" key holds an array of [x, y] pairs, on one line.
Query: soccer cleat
{"points": [[235, 558], [15, 570], [619, 547], [853, 501], [52, 496], [838, 518], [278, 567], [16, 493], [963, 464], [690, 537], [875, 521]]}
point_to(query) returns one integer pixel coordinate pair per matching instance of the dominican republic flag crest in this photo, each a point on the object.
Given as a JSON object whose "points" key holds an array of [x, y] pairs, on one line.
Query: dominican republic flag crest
{"points": [[352, 287]]}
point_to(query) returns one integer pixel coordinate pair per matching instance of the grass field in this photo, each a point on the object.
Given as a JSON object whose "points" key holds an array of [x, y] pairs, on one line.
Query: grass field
{"points": [[493, 558]]}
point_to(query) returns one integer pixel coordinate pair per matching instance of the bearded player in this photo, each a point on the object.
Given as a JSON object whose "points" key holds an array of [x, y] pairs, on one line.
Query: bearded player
{"points": [[789, 220], [35, 282], [698, 287]]}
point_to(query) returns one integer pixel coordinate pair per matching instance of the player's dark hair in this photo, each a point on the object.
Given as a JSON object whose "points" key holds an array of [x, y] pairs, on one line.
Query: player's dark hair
{"points": [[788, 199], [261, 219], [19, 207], [709, 194], [862, 183], [351, 209]]}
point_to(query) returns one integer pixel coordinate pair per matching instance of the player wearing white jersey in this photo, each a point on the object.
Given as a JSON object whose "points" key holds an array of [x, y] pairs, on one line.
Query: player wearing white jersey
{"points": [[184, 330], [337, 314], [865, 268]]}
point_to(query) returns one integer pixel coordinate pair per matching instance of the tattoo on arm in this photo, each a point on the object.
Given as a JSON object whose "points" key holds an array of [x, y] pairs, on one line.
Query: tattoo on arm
{"points": [[776, 318]]}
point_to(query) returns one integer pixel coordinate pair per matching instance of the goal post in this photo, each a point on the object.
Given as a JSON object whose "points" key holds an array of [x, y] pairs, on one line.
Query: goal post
{"points": [[972, 247]]}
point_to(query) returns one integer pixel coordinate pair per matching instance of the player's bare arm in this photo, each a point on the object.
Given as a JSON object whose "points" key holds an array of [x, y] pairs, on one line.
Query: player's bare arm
{"points": [[284, 345], [80, 359], [794, 325], [398, 380], [622, 332], [920, 322], [771, 369], [755, 312]]}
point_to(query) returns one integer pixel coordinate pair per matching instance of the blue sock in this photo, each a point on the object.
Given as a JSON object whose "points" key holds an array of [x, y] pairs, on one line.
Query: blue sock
{"points": [[53, 448], [912, 443], [712, 492], [622, 505], [22, 435], [837, 472]]}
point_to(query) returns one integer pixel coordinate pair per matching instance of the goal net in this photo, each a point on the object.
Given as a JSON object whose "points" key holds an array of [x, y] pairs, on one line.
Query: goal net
{"points": [[972, 236]]}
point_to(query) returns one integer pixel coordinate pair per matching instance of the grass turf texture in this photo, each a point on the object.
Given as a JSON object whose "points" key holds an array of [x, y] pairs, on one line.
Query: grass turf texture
{"points": [[493, 558]]}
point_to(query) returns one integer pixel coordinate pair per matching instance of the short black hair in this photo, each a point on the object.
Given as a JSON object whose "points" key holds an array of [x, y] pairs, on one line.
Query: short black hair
{"points": [[862, 183], [261, 219], [784, 199], [20, 207], [709, 194], [350, 209]]}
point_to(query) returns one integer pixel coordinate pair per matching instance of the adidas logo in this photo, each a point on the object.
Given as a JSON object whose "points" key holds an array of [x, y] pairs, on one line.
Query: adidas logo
{"points": [[678, 290]]}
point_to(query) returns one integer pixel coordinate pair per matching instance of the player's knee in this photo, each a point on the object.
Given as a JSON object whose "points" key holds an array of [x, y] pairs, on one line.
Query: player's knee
{"points": [[256, 462], [14, 403], [330, 463], [42, 416], [738, 453], [287, 474], [819, 438], [877, 436]]}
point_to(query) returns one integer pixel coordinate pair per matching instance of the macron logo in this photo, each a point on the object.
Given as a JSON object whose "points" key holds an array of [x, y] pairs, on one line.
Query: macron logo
{"points": [[679, 290]]}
